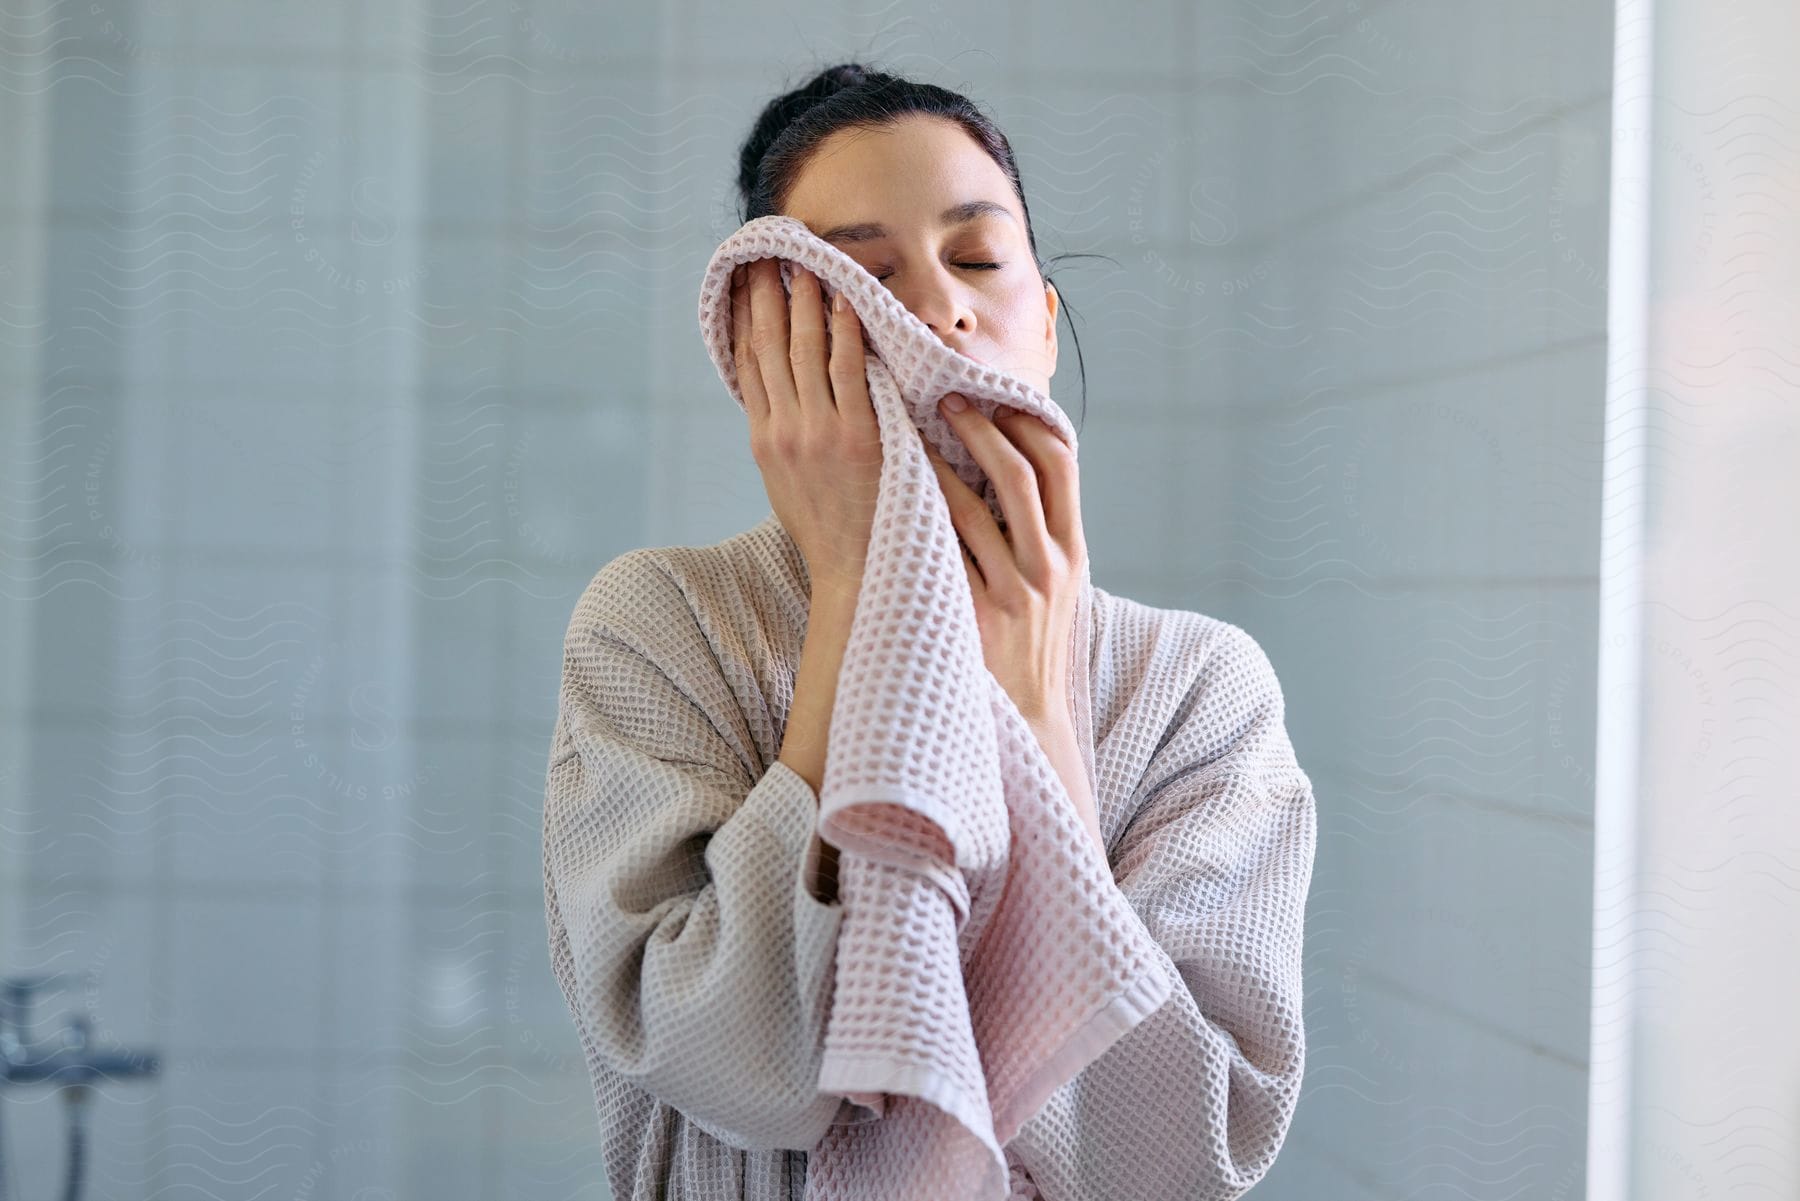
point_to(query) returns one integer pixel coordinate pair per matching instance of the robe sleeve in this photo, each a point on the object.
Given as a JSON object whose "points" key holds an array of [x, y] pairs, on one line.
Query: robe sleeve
{"points": [[1195, 1101], [687, 925]]}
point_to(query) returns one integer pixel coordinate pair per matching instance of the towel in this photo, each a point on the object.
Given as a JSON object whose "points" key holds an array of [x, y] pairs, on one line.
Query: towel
{"points": [[986, 955]]}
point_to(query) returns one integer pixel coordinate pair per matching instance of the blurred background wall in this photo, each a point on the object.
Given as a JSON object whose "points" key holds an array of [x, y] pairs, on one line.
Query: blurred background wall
{"points": [[342, 343]]}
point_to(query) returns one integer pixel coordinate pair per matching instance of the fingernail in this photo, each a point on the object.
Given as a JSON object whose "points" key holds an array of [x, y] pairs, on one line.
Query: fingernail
{"points": [[954, 403], [837, 303]]}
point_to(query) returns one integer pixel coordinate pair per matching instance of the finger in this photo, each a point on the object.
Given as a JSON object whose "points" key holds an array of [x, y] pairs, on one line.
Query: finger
{"points": [[1057, 472], [756, 401], [849, 369], [977, 584], [1016, 484], [769, 337], [983, 541], [806, 340]]}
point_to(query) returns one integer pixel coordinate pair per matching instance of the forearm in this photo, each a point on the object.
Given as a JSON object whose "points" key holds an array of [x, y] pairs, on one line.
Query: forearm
{"points": [[1064, 752], [804, 741]]}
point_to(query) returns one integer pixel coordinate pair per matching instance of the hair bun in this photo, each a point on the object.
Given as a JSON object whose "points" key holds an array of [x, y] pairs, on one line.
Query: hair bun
{"points": [[828, 83], [845, 75]]}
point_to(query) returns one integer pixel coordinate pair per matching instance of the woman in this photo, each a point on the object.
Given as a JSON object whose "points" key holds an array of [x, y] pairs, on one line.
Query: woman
{"points": [[690, 902]]}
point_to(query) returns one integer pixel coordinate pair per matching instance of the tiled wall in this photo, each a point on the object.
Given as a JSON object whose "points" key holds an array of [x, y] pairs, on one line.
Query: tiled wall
{"points": [[1411, 526], [343, 343]]}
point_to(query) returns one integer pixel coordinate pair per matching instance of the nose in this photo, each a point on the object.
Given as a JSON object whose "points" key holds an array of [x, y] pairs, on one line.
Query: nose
{"points": [[939, 303]]}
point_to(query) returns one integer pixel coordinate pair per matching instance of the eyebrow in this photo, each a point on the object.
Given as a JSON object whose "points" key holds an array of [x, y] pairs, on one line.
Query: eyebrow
{"points": [[958, 214]]}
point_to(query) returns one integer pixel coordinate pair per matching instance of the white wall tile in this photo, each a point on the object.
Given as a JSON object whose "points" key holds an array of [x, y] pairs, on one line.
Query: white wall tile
{"points": [[953, 45], [550, 1148], [244, 978], [473, 156], [233, 1132], [122, 32], [1462, 929], [1410, 1093], [579, 295], [1477, 693], [248, 646], [99, 820], [403, 1132], [455, 956], [517, 800], [269, 27], [1077, 40], [255, 460], [369, 989], [237, 812], [766, 37]]}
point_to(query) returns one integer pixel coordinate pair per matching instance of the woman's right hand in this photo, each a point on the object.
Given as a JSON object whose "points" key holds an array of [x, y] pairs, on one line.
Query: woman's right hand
{"points": [[813, 430]]}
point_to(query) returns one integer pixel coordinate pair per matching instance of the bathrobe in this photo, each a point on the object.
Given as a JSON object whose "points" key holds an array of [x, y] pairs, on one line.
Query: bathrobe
{"points": [[692, 935]]}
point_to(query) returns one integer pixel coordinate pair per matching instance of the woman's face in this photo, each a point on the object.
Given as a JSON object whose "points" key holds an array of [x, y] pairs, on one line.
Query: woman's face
{"points": [[881, 196]]}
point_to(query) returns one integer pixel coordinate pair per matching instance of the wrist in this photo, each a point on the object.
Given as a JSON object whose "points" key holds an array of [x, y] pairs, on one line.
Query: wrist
{"points": [[1056, 723], [836, 589]]}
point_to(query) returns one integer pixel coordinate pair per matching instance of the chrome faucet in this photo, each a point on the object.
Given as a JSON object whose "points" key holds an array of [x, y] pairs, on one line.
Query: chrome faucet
{"points": [[67, 1060]]}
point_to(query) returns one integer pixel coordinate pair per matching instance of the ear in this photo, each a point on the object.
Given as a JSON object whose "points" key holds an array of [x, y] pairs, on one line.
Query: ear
{"points": [[1052, 305]]}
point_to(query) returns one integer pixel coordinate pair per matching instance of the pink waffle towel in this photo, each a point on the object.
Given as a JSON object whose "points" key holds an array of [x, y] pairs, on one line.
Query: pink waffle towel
{"points": [[985, 956]]}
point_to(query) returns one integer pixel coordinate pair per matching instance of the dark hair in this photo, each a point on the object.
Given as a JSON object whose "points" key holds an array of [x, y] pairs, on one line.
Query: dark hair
{"points": [[852, 96]]}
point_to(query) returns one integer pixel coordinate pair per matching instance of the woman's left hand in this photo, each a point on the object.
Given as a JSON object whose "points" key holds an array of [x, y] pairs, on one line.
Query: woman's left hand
{"points": [[1025, 579]]}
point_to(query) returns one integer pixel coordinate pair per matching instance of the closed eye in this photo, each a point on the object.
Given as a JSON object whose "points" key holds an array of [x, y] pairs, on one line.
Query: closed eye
{"points": [[970, 266]]}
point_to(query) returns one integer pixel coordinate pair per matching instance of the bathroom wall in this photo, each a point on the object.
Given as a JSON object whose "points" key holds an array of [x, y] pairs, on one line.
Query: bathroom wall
{"points": [[1412, 344], [344, 342], [330, 401]]}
